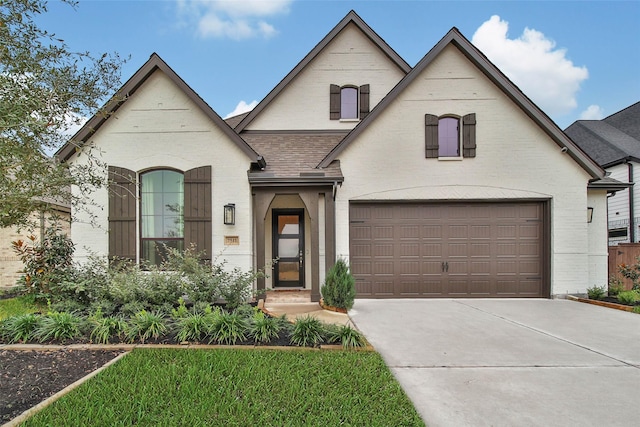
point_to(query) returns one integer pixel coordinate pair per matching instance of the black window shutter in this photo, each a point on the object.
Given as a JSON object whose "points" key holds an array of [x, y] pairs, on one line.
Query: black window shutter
{"points": [[431, 136], [197, 210], [334, 102], [469, 135], [123, 196], [364, 101]]}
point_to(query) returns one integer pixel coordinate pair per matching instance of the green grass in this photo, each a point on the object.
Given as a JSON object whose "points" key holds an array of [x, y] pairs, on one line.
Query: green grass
{"points": [[14, 306], [237, 387]]}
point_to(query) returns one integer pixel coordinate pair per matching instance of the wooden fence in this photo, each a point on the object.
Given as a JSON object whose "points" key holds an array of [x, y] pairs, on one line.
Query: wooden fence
{"points": [[624, 253]]}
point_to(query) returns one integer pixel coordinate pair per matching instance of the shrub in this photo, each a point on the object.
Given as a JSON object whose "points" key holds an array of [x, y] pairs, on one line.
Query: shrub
{"points": [[263, 328], [339, 289], [307, 331], [193, 326], [145, 325], [631, 272], [629, 297], [615, 286], [345, 334], [58, 326], [105, 328], [46, 263], [228, 328], [20, 328], [596, 292]]}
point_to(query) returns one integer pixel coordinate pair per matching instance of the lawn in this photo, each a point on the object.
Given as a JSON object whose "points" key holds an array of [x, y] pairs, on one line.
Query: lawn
{"points": [[15, 306], [237, 387]]}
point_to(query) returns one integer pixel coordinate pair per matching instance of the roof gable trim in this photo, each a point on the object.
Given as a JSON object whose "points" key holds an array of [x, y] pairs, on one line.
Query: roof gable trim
{"points": [[154, 64]]}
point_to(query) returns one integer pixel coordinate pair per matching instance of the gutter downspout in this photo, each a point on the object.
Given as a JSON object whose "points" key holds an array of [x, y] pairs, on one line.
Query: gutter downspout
{"points": [[632, 225]]}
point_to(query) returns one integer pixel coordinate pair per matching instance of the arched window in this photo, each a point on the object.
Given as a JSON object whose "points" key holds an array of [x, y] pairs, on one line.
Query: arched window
{"points": [[448, 137], [161, 214], [349, 103]]}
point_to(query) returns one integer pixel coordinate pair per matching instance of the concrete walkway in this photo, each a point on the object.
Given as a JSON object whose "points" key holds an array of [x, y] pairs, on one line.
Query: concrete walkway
{"points": [[297, 310], [509, 362]]}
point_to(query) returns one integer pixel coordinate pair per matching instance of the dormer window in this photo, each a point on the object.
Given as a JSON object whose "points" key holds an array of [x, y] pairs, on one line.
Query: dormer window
{"points": [[348, 102]]}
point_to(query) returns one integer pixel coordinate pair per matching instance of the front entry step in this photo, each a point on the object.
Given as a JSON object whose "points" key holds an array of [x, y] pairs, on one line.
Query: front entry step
{"points": [[289, 296]]}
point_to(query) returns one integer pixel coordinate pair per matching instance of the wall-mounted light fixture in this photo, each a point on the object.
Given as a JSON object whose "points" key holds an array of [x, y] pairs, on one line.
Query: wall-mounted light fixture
{"points": [[230, 214], [589, 214]]}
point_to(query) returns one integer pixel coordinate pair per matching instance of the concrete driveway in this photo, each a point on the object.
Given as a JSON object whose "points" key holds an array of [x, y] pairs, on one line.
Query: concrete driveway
{"points": [[509, 362]]}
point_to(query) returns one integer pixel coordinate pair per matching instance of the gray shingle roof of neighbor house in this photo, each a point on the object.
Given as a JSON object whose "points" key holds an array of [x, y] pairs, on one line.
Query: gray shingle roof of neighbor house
{"points": [[610, 141], [153, 64], [351, 17], [604, 143], [627, 120], [455, 38]]}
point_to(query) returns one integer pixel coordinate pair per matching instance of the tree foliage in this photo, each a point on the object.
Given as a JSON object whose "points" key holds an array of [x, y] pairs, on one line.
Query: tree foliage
{"points": [[45, 89]]}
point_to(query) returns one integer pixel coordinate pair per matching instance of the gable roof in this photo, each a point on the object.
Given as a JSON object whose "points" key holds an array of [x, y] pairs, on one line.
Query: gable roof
{"points": [[455, 38], [129, 88], [627, 120], [605, 144], [351, 17]]}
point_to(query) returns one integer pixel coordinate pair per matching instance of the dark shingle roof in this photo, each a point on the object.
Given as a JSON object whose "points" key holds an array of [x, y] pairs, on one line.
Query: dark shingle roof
{"points": [[627, 120], [602, 142], [612, 140], [295, 155]]}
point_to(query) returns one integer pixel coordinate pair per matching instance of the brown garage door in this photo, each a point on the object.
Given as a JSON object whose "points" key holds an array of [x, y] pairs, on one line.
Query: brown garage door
{"points": [[403, 250]]}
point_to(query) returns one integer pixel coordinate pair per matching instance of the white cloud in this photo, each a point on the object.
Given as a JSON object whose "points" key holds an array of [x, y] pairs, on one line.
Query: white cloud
{"points": [[241, 108], [534, 64], [593, 112], [233, 19]]}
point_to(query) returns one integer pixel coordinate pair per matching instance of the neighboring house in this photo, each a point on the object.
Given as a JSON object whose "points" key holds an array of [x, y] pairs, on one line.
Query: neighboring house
{"points": [[441, 180], [10, 264], [614, 142]]}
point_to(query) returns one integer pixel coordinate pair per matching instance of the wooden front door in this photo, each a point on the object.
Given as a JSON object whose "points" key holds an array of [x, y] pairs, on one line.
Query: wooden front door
{"points": [[288, 247]]}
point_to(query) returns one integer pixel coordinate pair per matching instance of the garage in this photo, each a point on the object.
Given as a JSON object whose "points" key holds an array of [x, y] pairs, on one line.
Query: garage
{"points": [[449, 250]]}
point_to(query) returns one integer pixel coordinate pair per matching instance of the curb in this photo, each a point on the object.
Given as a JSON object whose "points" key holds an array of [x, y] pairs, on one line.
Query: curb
{"points": [[601, 303]]}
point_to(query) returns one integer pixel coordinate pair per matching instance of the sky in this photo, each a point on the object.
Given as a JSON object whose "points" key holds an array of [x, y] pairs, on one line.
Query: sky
{"points": [[575, 59]]}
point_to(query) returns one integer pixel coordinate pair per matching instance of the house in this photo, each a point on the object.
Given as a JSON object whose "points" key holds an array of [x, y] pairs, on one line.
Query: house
{"points": [[614, 142], [439, 180], [53, 213]]}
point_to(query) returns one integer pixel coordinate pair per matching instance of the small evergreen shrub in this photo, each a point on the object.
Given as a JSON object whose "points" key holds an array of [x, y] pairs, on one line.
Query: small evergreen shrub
{"points": [[193, 326], [228, 328], [596, 292], [145, 325], [345, 334], [20, 327], [629, 297], [339, 288], [263, 328], [58, 326], [307, 331], [615, 286]]}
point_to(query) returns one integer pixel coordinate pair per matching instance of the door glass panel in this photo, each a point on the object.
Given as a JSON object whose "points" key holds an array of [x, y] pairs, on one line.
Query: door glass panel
{"points": [[288, 248], [288, 271], [288, 224]]}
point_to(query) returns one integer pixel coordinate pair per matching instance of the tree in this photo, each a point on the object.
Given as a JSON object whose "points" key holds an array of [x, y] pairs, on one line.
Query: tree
{"points": [[45, 88]]}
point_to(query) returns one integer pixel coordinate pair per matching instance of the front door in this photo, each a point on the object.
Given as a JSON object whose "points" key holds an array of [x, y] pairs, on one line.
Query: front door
{"points": [[288, 247]]}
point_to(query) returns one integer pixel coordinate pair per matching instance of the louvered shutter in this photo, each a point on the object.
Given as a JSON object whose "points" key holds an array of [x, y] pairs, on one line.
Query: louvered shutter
{"points": [[364, 101], [431, 136], [123, 198], [197, 210], [469, 135], [334, 102]]}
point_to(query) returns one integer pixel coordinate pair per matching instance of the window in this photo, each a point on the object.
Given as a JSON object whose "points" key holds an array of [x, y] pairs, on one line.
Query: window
{"points": [[443, 136], [348, 102], [161, 214], [174, 208], [448, 137]]}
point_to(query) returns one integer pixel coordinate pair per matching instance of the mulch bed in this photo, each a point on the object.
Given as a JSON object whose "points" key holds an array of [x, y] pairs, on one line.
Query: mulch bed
{"points": [[29, 377]]}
